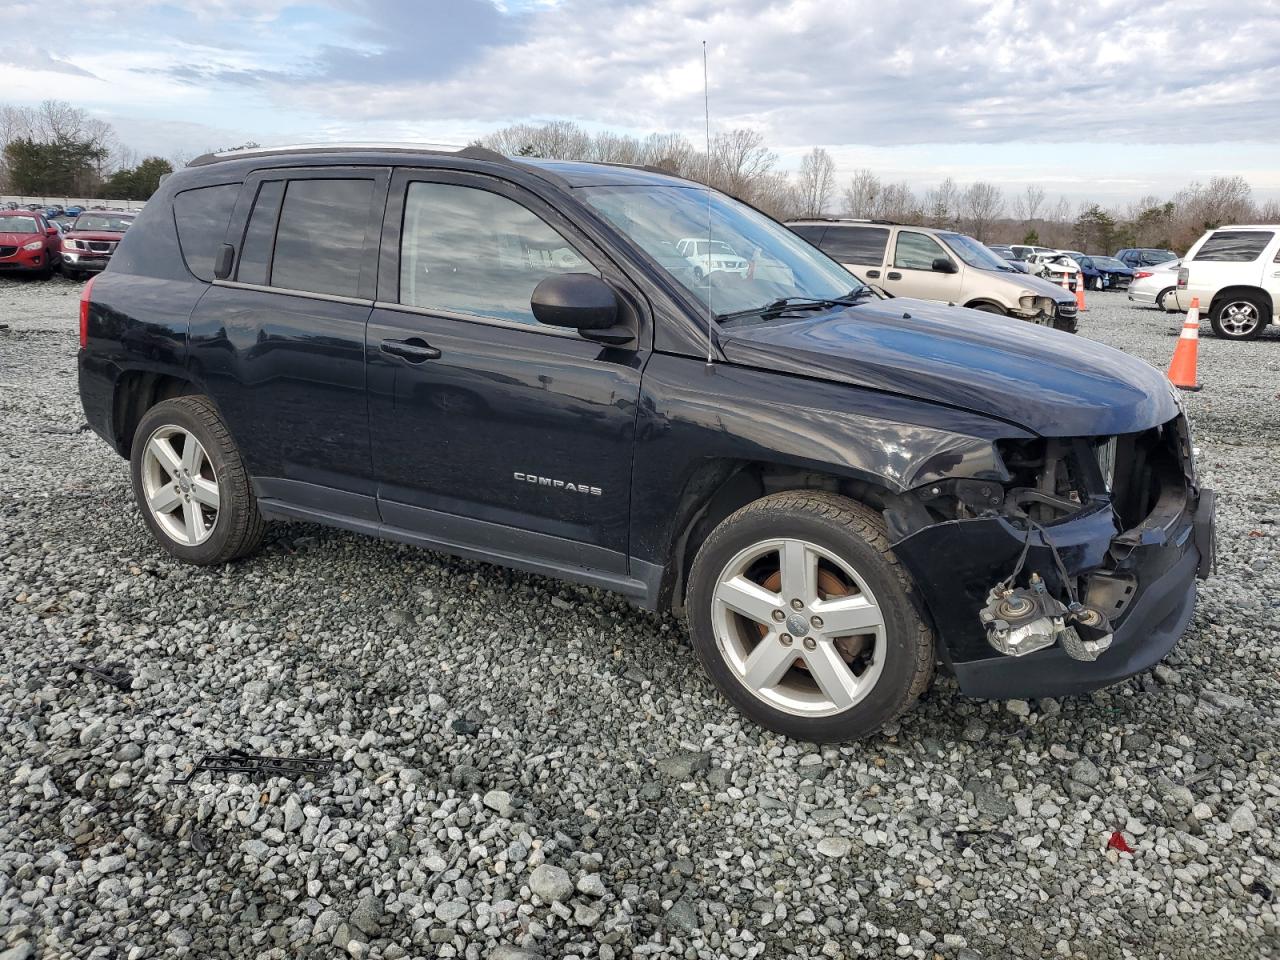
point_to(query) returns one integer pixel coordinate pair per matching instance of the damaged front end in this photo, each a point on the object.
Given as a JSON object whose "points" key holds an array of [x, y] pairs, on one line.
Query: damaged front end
{"points": [[1074, 572]]}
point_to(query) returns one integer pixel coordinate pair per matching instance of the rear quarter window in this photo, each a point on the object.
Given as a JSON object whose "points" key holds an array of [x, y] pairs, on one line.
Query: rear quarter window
{"points": [[860, 245], [1235, 246], [201, 216]]}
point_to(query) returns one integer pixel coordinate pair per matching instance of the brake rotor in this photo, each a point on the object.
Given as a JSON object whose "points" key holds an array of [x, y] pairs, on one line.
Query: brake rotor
{"points": [[829, 586]]}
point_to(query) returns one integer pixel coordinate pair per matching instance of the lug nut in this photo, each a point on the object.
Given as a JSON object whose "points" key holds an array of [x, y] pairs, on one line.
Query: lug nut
{"points": [[786, 639], [817, 622], [779, 615], [809, 643], [796, 605]]}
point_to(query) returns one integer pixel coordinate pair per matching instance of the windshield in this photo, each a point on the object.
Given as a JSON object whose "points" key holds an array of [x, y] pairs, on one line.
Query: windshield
{"points": [[18, 225], [1111, 263], [665, 223], [102, 221], [975, 254]]}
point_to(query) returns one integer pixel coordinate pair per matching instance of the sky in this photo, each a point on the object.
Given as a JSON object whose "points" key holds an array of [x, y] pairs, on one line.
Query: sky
{"points": [[1091, 99]]}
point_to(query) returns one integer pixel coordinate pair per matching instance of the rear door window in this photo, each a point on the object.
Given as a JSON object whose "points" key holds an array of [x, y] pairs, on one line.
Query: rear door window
{"points": [[1235, 246], [811, 232], [860, 245], [201, 216], [321, 234]]}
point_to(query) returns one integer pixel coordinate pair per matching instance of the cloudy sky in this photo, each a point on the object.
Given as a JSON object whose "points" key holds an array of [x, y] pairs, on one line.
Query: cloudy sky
{"points": [[1090, 98]]}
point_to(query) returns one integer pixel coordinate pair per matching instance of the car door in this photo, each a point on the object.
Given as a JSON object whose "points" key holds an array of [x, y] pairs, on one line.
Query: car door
{"points": [[859, 249], [910, 271], [279, 343], [489, 429]]}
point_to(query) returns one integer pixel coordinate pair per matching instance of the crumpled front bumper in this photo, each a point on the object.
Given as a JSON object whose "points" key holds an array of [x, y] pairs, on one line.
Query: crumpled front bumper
{"points": [[1144, 579]]}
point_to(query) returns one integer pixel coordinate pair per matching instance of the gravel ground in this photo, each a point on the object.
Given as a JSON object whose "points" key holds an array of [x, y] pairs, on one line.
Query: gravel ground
{"points": [[525, 768]]}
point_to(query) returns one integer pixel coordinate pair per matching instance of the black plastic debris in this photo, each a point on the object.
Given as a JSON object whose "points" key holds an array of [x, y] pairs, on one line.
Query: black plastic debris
{"points": [[1260, 889], [113, 673], [237, 761], [465, 726]]}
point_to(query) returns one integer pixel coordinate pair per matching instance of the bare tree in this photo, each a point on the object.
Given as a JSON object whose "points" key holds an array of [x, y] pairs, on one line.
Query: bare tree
{"points": [[1028, 205], [739, 157], [983, 205], [898, 203], [862, 196], [942, 205], [816, 183], [1269, 212]]}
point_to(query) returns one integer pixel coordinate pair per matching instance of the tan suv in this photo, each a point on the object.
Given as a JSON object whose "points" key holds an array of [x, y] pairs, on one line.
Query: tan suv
{"points": [[939, 265]]}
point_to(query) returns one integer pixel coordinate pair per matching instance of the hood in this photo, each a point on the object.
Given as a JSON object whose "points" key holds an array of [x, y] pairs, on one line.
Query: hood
{"points": [[9, 239], [1040, 286], [1055, 384]]}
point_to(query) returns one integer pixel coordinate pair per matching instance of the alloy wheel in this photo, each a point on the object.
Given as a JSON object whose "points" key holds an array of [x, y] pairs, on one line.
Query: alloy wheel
{"points": [[798, 627], [1239, 318], [180, 485]]}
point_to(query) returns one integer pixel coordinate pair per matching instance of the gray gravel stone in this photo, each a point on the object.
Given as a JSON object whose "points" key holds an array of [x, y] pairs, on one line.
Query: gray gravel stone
{"points": [[684, 764], [550, 883]]}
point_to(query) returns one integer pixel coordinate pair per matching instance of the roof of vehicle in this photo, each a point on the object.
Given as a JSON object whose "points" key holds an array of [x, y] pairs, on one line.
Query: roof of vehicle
{"points": [[1245, 226], [114, 213], [571, 173], [827, 221]]}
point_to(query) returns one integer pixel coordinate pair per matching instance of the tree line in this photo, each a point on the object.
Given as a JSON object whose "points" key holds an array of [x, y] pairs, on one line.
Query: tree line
{"points": [[740, 163], [57, 150]]}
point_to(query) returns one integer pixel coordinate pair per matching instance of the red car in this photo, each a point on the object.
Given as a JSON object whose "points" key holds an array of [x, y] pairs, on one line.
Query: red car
{"points": [[92, 238], [28, 243]]}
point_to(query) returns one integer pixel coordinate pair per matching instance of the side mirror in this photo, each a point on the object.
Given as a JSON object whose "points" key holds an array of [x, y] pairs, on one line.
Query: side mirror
{"points": [[51, 231], [225, 259], [943, 265], [579, 300]]}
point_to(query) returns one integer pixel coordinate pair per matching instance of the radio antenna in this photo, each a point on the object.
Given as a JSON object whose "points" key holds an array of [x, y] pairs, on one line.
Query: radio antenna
{"points": [[706, 107]]}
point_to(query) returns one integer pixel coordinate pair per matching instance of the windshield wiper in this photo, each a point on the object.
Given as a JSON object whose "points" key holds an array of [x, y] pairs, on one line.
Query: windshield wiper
{"points": [[778, 307]]}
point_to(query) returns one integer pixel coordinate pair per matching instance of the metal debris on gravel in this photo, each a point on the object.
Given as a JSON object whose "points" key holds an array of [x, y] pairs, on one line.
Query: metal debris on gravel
{"points": [[529, 769]]}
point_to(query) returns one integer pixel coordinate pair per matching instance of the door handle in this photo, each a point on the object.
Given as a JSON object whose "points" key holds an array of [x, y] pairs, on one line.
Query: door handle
{"points": [[415, 349], [894, 275], [873, 273]]}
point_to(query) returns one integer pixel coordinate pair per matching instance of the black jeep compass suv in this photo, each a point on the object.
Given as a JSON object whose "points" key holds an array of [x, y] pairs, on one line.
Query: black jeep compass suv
{"points": [[618, 377]]}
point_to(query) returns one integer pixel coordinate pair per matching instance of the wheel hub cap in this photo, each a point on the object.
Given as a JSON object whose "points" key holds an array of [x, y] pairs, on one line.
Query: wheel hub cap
{"points": [[180, 486], [798, 627]]}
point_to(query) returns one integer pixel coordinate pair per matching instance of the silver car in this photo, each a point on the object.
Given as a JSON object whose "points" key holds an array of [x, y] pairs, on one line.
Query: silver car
{"points": [[1156, 284]]}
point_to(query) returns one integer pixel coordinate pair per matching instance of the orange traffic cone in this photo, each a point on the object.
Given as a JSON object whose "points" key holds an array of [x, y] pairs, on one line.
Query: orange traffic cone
{"points": [[1080, 307], [1182, 369]]}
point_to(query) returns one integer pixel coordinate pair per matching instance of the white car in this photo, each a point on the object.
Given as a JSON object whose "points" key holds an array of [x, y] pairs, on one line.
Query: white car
{"points": [[711, 256], [1234, 271], [1056, 266], [1155, 284]]}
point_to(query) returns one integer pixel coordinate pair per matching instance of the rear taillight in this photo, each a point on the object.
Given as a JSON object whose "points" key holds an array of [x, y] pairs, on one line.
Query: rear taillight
{"points": [[1142, 274], [84, 312]]}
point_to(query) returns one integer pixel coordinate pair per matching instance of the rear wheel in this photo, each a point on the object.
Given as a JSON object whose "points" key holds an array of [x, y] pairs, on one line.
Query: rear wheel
{"points": [[802, 617], [191, 484], [1239, 317], [988, 307], [1162, 299]]}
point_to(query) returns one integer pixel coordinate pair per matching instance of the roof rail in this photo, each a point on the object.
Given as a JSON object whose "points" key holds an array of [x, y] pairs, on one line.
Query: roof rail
{"points": [[373, 147]]}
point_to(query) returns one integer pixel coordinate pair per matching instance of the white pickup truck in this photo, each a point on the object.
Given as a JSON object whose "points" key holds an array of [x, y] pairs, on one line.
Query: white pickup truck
{"points": [[1234, 271]]}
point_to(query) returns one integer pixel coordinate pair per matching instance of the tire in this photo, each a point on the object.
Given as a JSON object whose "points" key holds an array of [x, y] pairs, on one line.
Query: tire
{"points": [[879, 672], [1160, 298], [1240, 317], [211, 518], [73, 275]]}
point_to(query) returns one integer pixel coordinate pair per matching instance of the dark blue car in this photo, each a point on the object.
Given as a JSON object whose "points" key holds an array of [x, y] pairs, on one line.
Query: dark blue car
{"points": [[1103, 273]]}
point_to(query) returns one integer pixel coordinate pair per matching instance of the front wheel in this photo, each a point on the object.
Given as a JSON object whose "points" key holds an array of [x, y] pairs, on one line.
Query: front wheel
{"points": [[802, 617], [191, 484]]}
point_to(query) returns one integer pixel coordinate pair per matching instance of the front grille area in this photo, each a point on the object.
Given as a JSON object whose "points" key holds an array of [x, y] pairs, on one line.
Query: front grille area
{"points": [[101, 246], [1067, 309], [8, 251]]}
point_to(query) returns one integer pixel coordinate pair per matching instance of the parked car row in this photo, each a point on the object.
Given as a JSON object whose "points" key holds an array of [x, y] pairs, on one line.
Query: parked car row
{"points": [[32, 242]]}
